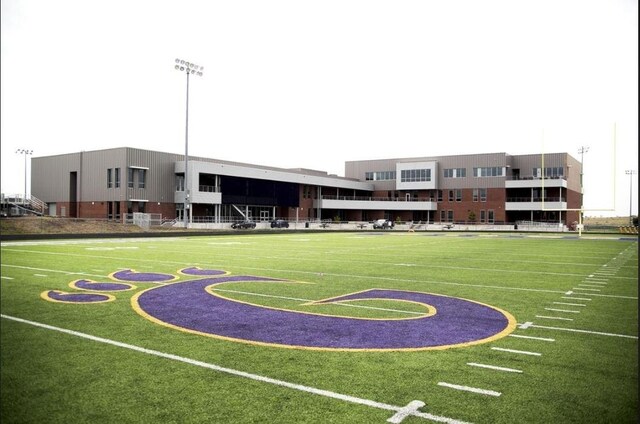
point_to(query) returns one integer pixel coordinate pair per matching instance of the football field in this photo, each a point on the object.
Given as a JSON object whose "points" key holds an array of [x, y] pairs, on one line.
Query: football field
{"points": [[327, 327]]}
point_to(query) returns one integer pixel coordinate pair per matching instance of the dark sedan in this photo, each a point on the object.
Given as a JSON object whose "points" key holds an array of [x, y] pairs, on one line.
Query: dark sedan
{"points": [[243, 225], [279, 223]]}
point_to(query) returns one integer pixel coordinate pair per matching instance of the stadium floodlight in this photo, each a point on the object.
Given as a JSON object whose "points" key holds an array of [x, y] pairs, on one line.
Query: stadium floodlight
{"points": [[582, 150], [188, 68], [25, 152], [630, 173]]}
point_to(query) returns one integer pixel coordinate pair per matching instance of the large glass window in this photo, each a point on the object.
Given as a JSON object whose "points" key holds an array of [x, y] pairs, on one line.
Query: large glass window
{"points": [[109, 178], [415, 175], [130, 178], [117, 174]]}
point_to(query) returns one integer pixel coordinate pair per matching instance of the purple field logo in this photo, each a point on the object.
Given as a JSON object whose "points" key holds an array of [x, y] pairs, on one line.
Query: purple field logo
{"points": [[194, 306]]}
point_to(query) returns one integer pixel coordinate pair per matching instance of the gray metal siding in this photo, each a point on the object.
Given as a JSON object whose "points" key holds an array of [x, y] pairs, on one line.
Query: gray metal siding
{"points": [[50, 176]]}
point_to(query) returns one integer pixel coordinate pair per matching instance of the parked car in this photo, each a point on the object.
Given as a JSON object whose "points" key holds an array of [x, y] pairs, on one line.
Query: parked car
{"points": [[243, 225], [279, 223], [382, 224]]}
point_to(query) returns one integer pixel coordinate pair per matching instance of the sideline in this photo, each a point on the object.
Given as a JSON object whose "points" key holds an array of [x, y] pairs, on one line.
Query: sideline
{"points": [[398, 410]]}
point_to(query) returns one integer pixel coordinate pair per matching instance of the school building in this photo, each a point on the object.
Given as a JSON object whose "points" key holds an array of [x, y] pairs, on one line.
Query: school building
{"points": [[491, 188]]}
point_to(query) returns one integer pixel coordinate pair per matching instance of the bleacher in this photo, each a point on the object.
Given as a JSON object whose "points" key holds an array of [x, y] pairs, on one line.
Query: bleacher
{"points": [[628, 230]]}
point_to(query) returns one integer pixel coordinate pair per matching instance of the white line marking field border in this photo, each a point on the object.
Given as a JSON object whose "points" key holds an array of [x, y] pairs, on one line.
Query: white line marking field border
{"points": [[255, 377]]}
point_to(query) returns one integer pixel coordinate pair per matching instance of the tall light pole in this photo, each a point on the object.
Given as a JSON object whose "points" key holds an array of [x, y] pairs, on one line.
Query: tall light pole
{"points": [[188, 68], [25, 152], [582, 150], [630, 173]]}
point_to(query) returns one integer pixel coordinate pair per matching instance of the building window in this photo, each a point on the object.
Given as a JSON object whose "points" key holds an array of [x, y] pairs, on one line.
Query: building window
{"points": [[450, 216], [451, 195], [380, 176], [117, 174], [458, 195], [483, 194], [415, 175], [179, 182], [142, 176], [491, 171], [130, 178], [483, 216], [552, 172], [490, 218], [439, 195], [109, 178], [475, 195], [306, 192], [455, 173], [443, 216]]}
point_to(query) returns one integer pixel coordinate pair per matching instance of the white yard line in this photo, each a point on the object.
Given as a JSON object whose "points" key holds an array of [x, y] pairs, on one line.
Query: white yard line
{"points": [[520, 352], [558, 318], [470, 389], [544, 339], [493, 367], [575, 330]]}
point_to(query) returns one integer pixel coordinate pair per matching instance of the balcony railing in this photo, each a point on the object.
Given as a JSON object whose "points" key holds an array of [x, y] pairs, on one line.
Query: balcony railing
{"points": [[536, 199], [520, 178], [380, 199], [208, 189]]}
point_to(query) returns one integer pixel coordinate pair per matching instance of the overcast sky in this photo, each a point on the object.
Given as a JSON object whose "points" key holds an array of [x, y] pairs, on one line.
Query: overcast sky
{"points": [[312, 84]]}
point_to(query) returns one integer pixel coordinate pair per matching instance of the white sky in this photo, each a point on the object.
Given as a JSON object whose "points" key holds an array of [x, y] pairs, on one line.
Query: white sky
{"points": [[313, 84]]}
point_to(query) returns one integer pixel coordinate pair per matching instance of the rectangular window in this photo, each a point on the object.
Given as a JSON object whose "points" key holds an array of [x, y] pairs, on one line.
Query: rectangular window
{"points": [[455, 173], [450, 216], [439, 195], [490, 218], [109, 178], [483, 217], [483, 194], [443, 216], [180, 182], [142, 176], [415, 175], [552, 172], [491, 171], [117, 173], [130, 177], [458, 195], [380, 176], [475, 194], [451, 195]]}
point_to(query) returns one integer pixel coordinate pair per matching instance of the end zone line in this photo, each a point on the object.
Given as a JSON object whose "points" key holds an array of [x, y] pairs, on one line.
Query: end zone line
{"points": [[255, 377]]}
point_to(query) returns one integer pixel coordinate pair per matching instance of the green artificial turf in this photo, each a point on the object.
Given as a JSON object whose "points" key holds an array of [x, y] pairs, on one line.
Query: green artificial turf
{"points": [[589, 375]]}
